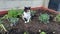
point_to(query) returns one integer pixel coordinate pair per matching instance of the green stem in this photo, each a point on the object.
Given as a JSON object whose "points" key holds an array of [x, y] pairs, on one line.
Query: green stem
{"points": [[2, 26]]}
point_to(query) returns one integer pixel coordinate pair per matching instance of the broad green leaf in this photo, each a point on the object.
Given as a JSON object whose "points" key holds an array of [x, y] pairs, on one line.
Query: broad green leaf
{"points": [[15, 13]]}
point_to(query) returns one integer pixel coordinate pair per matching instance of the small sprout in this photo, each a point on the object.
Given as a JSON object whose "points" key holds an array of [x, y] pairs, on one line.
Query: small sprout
{"points": [[25, 32], [43, 32], [57, 18]]}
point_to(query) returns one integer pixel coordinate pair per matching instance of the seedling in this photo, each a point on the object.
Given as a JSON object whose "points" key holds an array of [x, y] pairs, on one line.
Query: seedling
{"points": [[42, 32], [44, 18], [25, 32], [57, 18]]}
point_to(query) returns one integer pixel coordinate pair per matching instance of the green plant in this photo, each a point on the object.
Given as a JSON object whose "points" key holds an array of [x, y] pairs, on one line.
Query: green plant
{"points": [[33, 12], [44, 18], [13, 13], [5, 17], [2, 26], [13, 21], [20, 11], [25, 32], [57, 18], [42, 33]]}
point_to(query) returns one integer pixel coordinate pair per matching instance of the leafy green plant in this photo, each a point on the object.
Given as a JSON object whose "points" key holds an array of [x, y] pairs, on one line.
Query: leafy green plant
{"points": [[13, 13], [20, 12], [44, 18], [33, 12], [57, 18], [13, 21]]}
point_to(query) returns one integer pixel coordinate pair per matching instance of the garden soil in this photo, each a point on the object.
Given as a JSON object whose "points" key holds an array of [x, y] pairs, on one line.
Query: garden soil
{"points": [[33, 26]]}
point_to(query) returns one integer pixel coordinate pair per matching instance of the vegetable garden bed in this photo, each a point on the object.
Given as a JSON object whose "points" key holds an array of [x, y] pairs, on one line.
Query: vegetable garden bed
{"points": [[34, 25]]}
